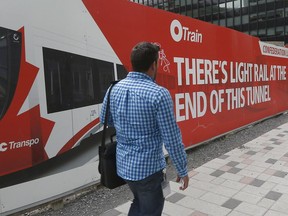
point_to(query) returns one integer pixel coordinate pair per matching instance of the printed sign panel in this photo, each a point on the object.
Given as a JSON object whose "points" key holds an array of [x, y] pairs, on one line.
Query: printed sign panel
{"points": [[65, 57], [219, 79]]}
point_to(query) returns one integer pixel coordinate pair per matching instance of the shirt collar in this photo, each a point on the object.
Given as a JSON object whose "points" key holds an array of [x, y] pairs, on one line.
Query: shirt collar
{"points": [[139, 75]]}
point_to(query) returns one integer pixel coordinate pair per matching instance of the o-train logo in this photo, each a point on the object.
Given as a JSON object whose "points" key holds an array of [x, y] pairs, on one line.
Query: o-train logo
{"points": [[16, 145], [182, 33]]}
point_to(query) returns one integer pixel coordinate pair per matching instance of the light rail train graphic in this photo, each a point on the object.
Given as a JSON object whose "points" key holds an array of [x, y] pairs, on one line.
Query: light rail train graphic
{"points": [[57, 59]]}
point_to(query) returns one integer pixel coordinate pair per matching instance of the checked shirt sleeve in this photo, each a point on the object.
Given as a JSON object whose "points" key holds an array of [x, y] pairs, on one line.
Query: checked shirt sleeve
{"points": [[171, 134]]}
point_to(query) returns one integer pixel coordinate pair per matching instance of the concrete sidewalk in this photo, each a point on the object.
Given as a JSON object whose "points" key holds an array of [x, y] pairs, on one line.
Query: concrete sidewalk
{"points": [[251, 180]]}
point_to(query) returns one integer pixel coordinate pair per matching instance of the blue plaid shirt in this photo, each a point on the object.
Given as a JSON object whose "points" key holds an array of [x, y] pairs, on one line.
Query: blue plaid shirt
{"points": [[142, 113]]}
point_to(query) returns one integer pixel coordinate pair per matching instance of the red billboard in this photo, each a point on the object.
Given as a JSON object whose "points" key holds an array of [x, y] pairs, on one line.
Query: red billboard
{"points": [[57, 63], [219, 79]]}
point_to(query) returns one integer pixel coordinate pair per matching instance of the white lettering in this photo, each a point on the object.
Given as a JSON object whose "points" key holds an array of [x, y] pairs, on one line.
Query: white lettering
{"points": [[194, 105], [258, 94], [179, 32], [200, 71], [21, 144], [216, 101]]}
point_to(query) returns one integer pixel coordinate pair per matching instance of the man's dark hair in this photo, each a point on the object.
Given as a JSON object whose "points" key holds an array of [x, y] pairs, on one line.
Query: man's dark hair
{"points": [[143, 55]]}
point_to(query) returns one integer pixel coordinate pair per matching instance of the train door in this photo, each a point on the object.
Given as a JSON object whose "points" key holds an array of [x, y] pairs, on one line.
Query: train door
{"points": [[59, 100], [91, 78]]}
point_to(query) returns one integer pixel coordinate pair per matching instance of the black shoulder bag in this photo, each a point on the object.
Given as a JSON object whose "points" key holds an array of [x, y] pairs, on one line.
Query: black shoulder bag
{"points": [[107, 156]]}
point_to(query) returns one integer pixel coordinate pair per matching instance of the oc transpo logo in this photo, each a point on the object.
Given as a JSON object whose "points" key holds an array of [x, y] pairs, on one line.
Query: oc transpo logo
{"points": [[180, 33], [3, 147], [20, 144]]}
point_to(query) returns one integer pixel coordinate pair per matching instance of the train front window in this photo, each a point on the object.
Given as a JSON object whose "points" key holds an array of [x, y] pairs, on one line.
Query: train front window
{"points": [[3, 69], [10, 55]]}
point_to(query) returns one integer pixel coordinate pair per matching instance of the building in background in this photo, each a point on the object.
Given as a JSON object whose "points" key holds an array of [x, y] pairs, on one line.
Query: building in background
{"points": [[266, 19]]}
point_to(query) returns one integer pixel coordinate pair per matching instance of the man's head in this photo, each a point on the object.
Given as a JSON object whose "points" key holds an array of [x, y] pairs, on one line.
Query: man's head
{"points": [[144, 55]]}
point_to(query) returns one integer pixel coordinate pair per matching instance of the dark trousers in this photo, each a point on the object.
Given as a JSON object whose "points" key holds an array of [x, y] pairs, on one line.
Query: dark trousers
{"points": [[148, 196]]}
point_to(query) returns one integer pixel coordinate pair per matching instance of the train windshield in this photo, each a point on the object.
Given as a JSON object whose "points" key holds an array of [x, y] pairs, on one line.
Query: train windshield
{"points": [[10, 56]]}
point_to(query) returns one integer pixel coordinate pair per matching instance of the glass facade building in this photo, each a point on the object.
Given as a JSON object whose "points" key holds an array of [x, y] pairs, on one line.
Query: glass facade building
{"points": [[266, 19]]}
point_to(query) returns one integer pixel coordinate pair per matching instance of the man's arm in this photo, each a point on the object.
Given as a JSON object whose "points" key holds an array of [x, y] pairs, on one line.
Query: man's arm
{"points": [[171, 136]]}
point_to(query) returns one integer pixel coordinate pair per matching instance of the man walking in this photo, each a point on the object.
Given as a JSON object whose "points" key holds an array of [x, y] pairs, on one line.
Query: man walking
{"points": [[142, 113]]}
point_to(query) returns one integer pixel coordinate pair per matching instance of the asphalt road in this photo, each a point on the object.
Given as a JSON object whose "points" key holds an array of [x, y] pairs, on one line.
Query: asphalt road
{"points": [[95, 201]]}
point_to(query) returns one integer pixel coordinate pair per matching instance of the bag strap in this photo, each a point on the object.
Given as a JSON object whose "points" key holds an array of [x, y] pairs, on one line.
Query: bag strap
{"points": [[106, 114]]}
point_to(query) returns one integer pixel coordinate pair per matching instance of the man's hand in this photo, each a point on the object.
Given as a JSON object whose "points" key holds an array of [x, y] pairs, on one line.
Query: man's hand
{"points": [[184, 180]]}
